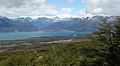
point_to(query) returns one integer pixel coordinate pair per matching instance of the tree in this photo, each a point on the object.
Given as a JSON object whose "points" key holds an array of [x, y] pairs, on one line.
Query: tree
{"points": [[105, 31], [114, 56], [117, 32], [109, 41]]}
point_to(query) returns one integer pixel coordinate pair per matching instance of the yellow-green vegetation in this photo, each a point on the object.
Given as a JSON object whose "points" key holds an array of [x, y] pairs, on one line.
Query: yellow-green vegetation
{"points": [[74, 54]]}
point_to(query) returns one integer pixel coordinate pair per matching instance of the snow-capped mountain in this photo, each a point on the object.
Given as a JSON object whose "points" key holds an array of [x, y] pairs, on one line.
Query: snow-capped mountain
{"points": [[89, 24]]}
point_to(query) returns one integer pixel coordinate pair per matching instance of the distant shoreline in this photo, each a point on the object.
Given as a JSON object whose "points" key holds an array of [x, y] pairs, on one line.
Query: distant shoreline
{"points": [[27, 35]]}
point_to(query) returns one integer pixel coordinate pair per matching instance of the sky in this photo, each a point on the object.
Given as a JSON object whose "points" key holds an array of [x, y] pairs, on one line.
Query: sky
{"points": [[63, 8]]}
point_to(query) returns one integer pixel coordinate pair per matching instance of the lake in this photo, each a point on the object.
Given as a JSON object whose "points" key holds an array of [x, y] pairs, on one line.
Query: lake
{"points": [[25, 35]]}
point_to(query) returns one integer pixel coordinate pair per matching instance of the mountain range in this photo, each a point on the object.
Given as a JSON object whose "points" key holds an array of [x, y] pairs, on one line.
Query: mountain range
{"points": [[76, 24]]}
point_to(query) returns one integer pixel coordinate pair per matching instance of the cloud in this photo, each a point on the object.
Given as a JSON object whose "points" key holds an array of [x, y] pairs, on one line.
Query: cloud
{"points": [[83, 13], [30, 8], [70, 1], [44, 8], [66, 10], [103, 7]]}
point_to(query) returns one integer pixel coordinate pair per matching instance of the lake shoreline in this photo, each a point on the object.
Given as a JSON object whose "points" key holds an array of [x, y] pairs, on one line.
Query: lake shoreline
{"points": [[27, 35]]}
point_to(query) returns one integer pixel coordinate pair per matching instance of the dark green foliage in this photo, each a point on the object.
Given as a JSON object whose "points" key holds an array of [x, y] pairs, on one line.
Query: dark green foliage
{"points": [[109, 41], [117, 32], [105, 33]]}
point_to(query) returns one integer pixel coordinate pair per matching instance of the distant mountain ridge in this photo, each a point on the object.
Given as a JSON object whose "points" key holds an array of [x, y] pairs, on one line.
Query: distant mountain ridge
{"points": [[27, 24]]}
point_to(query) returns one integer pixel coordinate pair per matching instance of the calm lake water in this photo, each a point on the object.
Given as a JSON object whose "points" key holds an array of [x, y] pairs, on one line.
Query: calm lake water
{"points": [[24, 35]]}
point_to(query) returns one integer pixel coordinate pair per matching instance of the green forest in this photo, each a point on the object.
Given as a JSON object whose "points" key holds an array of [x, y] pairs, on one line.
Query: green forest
{"points": [[103, 49]]}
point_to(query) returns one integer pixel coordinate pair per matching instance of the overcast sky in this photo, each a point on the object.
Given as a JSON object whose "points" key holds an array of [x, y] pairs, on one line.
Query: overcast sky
{"points": [[15, 8]]}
